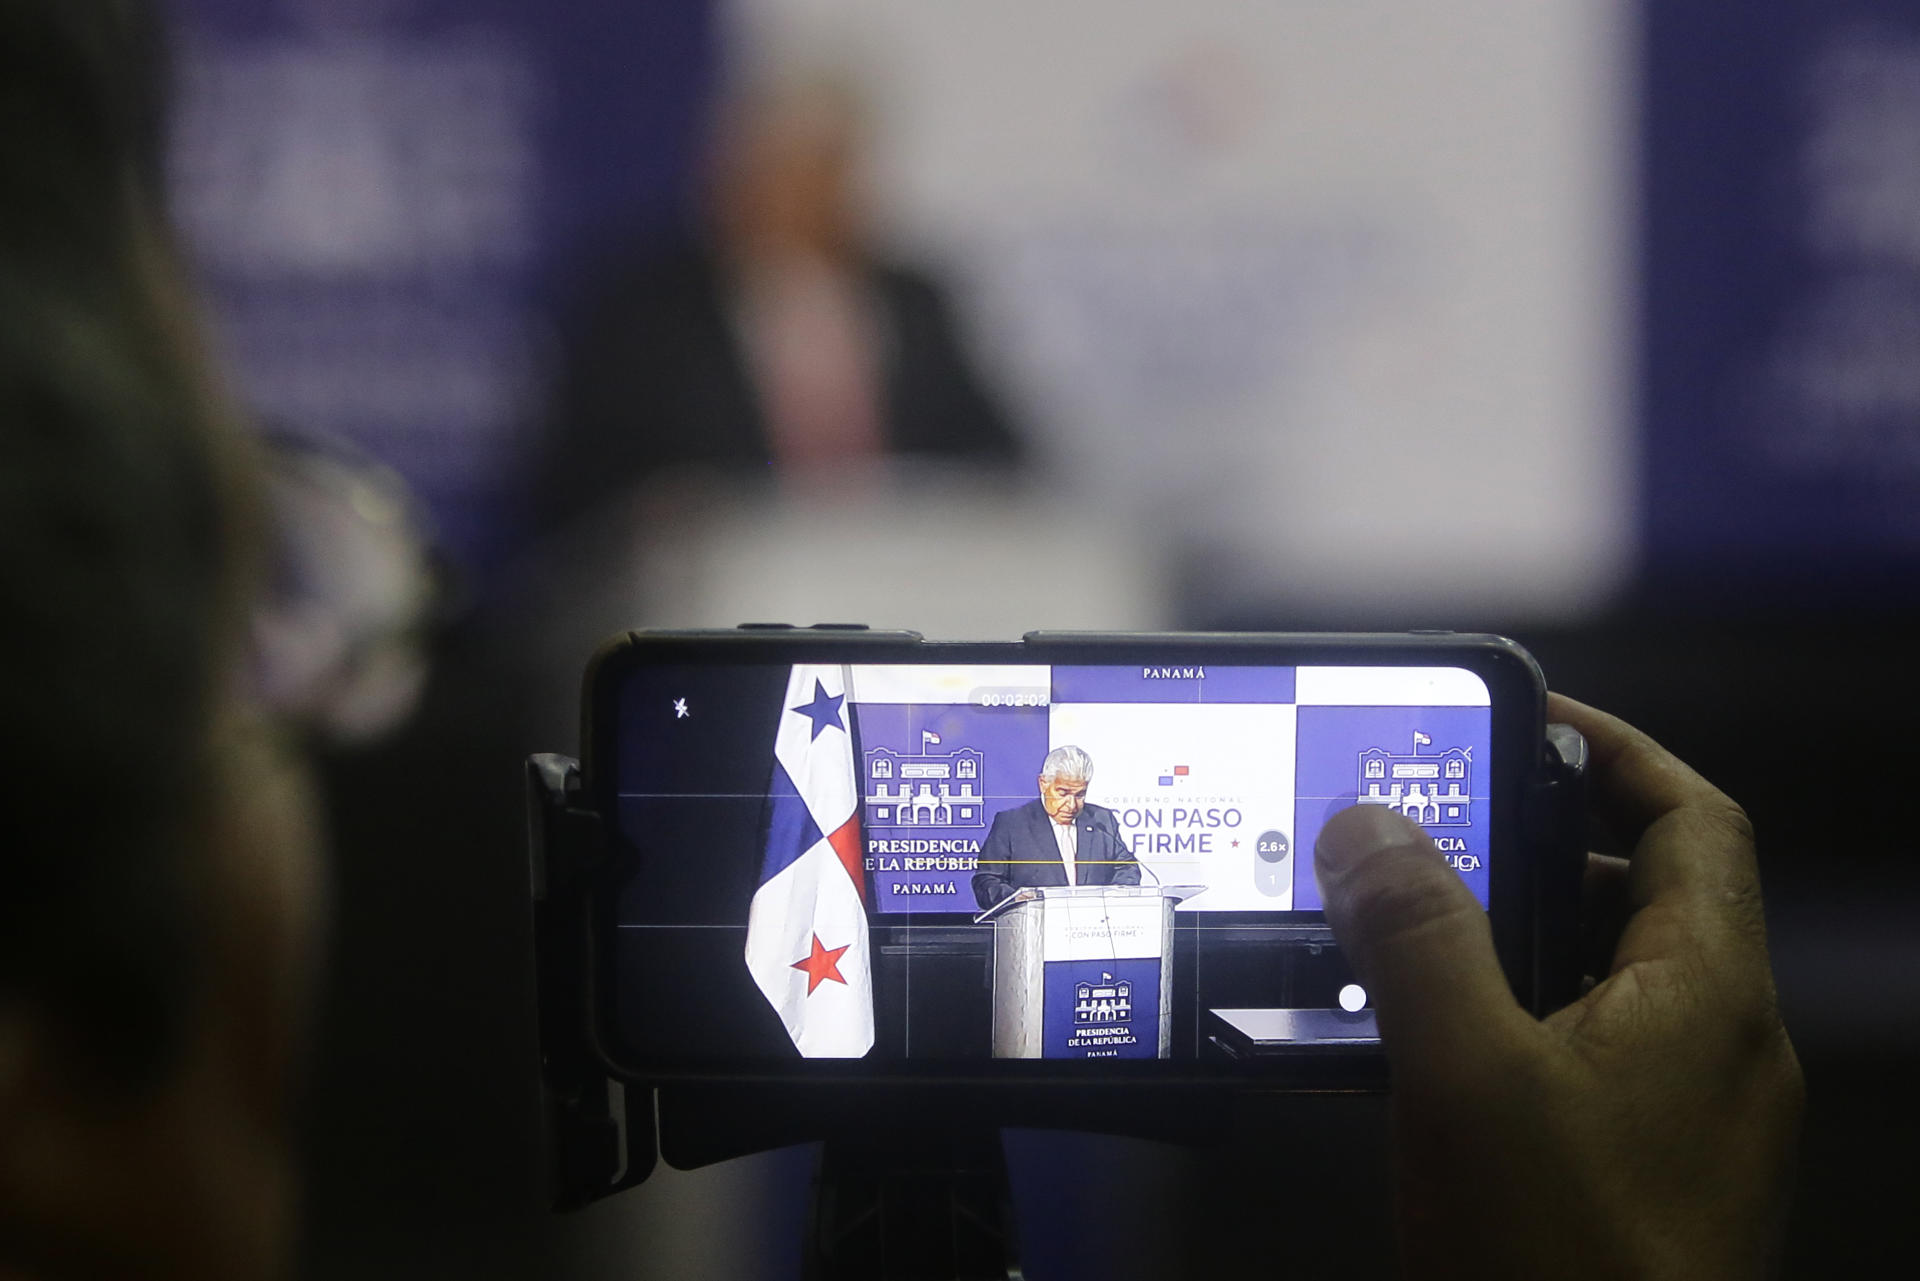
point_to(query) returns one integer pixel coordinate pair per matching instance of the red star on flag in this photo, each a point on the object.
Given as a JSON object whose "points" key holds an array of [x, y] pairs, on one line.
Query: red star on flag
{"points": [[824, 964]]}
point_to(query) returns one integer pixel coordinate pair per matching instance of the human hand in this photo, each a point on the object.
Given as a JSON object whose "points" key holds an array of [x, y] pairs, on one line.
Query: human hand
{"points": [[1646, 1130]]}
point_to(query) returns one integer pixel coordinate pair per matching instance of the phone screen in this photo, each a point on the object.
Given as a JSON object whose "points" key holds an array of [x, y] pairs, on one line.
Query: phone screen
{"points": [[951, 862]]}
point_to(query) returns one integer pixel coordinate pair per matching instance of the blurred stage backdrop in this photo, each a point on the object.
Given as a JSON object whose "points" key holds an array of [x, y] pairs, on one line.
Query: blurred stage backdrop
{"points": [[1574, 319], [1350, 309]]}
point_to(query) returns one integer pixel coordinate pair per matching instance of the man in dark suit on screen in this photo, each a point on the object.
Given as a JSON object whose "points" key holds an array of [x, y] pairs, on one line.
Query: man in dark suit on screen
{"points": [[1058, 839]]}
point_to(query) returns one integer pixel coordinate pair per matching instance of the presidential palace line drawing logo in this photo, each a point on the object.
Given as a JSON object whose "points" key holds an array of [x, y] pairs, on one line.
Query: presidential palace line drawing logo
{"points": [[1104, 1003], [1432, 789], [932, 789]]}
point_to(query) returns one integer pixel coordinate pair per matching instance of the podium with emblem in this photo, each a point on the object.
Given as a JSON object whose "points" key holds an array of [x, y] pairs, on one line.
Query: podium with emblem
{"points": [[1084, 971]]}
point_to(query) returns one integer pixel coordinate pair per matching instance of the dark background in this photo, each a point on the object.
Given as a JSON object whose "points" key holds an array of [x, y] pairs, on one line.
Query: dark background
{"points": [[423, 1118]]}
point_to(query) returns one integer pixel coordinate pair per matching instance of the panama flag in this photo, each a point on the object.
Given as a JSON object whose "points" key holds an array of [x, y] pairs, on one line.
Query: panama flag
{"points": [[807, 928]]}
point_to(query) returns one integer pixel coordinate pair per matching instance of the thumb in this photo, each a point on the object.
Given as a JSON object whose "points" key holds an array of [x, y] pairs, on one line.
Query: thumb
{"points": [[1418, 939]]}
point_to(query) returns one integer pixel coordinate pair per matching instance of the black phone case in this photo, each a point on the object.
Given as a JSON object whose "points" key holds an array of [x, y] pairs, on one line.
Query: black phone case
{"points": [[711, 1111]]}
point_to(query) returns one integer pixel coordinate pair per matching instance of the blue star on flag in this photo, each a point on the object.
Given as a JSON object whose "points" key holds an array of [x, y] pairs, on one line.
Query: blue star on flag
{"points": [[823, 711]]}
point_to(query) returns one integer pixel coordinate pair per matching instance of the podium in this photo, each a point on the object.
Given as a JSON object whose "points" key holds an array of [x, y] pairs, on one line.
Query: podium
{"points": [[1084, 971]]}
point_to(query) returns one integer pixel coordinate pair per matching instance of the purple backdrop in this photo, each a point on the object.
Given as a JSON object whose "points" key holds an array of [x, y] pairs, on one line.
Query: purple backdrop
{"points": [[1007, 743], [1333, 747], [1781, 321], [1173, 683], [387, 203]]}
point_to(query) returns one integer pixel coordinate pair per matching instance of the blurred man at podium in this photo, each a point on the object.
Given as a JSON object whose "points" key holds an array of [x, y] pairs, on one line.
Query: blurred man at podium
{"points": [[1057, 839]]}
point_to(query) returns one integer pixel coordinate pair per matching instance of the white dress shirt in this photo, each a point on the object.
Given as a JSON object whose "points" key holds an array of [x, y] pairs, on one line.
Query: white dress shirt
{"points": [[1067, 837]]}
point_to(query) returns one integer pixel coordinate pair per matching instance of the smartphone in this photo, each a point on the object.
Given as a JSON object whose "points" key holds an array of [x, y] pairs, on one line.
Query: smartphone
{"points": [[838, 853]]}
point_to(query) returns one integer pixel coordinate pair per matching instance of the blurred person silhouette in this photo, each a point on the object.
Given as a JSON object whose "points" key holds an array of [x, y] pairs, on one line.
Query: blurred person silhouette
{"points": [[158, 863], [777, 336]]}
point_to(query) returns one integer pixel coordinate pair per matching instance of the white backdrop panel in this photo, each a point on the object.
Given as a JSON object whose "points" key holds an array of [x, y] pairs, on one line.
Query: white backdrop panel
{"points": [[1230, 773], [1333, 296]]}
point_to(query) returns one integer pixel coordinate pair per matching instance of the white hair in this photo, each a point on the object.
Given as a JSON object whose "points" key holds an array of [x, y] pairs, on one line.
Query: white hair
{"points": [[1067, 762]]}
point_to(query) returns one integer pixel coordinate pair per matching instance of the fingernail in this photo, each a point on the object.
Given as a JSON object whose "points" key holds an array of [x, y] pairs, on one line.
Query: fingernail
{"points": [[1355, 834]]}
